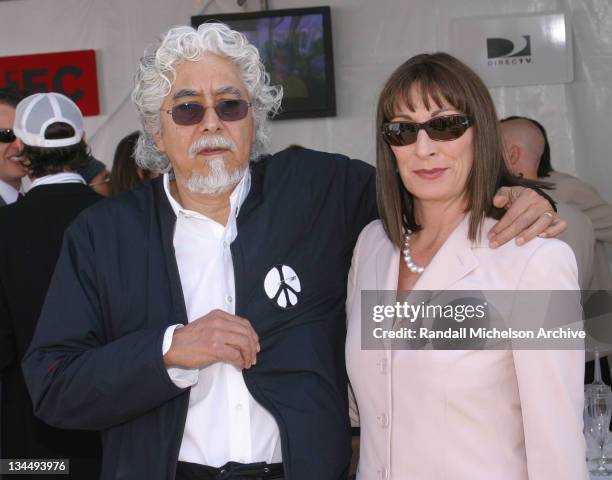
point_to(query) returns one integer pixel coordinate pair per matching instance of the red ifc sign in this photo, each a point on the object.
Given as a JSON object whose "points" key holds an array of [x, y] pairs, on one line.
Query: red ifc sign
{"points": [[70, 73]]}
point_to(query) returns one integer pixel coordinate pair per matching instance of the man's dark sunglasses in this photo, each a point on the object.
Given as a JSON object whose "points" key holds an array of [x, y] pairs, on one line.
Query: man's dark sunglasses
{"points": [[7, 135], [441, 129], [193, 113]]}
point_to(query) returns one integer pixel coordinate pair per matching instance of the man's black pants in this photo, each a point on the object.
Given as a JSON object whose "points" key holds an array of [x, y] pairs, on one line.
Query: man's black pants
{"points": [[230, 471]]}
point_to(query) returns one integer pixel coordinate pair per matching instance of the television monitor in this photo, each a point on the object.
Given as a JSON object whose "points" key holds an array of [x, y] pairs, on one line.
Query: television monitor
{"points": [[296, 47]]}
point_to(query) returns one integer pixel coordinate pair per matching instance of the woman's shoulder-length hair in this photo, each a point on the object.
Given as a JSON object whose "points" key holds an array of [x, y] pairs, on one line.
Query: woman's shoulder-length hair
{"points": [[441, 77]]}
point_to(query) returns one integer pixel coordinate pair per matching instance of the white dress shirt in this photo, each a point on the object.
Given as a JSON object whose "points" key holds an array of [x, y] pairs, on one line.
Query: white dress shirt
{"points": [[224, 422], [64, 177], [8, 193]]}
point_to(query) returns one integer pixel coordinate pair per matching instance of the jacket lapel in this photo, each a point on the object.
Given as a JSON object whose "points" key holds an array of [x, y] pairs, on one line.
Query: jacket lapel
{"points": [[387, 266], [387, 271], [255, 195], [166, 219], [453, 261]]}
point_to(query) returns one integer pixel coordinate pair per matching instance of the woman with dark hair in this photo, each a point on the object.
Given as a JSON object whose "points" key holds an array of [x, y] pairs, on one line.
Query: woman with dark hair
{"points": [[125, 174], [459, 413]]}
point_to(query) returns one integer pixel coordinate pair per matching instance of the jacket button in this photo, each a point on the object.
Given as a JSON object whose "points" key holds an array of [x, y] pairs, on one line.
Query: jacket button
{"points": [[383, 419], [383, 365]]}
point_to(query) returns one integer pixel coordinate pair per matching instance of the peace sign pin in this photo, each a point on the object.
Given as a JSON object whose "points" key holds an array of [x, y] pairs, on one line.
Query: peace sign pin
{"points": [[282, 286]]}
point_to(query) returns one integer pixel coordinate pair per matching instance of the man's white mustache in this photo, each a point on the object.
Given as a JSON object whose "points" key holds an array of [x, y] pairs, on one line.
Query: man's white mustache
{"points": [[211, 142]]}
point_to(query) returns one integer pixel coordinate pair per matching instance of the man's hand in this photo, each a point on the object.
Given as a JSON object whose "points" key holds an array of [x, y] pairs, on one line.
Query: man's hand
{"points": [[217, 336], [529, 215]]}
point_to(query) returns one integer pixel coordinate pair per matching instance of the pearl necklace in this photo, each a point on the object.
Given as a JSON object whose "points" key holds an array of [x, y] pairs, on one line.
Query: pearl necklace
{"points": [[413, 267]]}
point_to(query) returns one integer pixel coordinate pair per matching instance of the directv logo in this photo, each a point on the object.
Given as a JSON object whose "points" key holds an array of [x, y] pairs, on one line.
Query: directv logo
{"points": [[502, 51]]}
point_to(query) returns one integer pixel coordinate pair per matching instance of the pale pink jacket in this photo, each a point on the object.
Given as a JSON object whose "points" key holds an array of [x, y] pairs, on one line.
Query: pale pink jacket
{"points": [[466, 415]]}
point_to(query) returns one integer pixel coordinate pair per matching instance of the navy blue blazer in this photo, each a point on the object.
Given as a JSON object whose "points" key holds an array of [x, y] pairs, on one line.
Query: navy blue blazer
{"points": [[96, 359], [30, 243]]}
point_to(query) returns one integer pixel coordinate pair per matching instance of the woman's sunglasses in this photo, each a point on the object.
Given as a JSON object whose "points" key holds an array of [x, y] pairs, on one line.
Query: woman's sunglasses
{"points": [[193, 113], [7, 135], [440, 129]]}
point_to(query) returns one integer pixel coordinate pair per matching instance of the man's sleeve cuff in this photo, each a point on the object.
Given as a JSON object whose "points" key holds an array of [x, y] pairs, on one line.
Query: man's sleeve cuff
{"points": [[181, 377]]}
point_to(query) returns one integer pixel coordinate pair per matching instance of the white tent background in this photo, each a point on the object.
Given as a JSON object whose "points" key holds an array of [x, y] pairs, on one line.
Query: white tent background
{"points": [[370, 39]]}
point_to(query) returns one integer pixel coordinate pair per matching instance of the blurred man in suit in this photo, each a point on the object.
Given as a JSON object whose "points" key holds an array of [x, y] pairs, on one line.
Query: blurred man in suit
{"points": [[29, 249], [11, 170]]}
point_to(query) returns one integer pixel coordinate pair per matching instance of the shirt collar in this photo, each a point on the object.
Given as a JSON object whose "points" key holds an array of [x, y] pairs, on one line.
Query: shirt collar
{"points": [[237, 197], [64, 177], [8, 193]]}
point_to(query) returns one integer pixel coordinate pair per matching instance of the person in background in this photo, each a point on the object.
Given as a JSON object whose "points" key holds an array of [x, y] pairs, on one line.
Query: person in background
{"points": [[33, 229], [126, 174], [456, 413], [11, 169], [97, 176], [528, 153], [524, 146]]}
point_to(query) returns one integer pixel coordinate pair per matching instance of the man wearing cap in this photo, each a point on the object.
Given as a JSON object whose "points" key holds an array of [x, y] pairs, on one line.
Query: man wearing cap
{"points": [[11, 169], [205, 330], [49, 128]]}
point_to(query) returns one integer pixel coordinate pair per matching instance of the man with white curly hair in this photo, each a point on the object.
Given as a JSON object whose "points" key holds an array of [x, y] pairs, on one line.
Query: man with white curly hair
{"points": [[199, 320]]}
